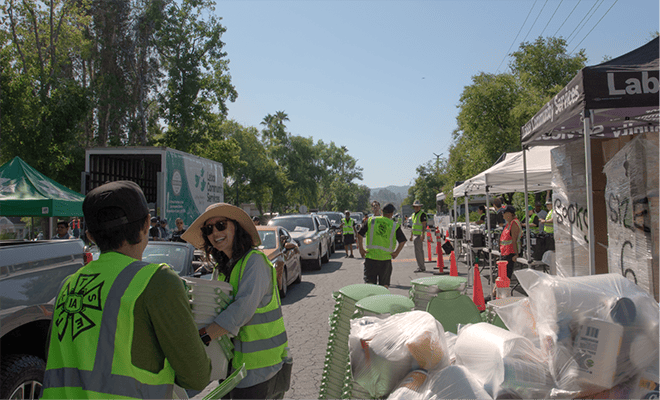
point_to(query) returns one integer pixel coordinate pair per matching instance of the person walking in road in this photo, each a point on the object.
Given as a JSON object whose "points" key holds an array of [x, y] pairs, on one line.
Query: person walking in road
{"points": [[348, 228], [382, 235], [122, 327], [418, 233], [375, 208], [254, 317]]}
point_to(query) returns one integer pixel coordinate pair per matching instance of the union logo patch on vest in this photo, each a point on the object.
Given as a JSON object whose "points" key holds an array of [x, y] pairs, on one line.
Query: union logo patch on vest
{"points": [[75, 305]]}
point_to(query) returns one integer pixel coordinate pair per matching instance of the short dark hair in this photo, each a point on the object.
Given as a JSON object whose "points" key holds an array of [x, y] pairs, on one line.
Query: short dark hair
{"points": [[482, 208], [497, 202], [113, 238], [242, 244], [66, 224]]}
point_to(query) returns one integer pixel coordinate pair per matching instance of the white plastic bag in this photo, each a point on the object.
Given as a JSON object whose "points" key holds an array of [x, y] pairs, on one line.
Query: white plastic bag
{"points": [[384, 351]]}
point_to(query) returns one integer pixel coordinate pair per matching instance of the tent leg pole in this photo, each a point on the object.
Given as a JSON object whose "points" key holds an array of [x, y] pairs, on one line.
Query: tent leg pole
{"points": [[590, 211], [468, 237], [490, 253], [527, 228]]}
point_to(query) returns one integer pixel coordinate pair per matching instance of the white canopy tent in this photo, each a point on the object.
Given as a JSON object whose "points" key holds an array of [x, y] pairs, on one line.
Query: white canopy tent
{"points": [[508, 176], [515, 172]]}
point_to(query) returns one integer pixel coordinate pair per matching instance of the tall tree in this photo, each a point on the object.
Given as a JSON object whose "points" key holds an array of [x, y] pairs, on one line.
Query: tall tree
{"points": [[197, 82], [43, 101]]}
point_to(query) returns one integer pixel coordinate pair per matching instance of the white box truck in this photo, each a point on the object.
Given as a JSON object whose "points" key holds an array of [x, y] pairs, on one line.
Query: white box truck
{"points": [[176, 184]]}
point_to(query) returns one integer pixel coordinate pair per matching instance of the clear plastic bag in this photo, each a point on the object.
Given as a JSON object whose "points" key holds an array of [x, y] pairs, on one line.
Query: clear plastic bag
{"points": [[595, 331], [384, 351], [505, 362]]}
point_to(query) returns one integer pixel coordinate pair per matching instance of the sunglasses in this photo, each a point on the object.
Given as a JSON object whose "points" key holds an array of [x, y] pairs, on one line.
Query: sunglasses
{"points": [[220, 226]]}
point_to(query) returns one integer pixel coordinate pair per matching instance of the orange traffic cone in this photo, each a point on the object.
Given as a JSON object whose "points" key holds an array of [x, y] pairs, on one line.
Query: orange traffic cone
{"points": [[477, 291], [453, 270], [440, 265]]}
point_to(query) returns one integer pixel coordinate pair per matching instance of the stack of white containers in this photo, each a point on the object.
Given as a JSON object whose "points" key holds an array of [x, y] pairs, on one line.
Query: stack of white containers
{"points": [[425, 289], [207, 299]]}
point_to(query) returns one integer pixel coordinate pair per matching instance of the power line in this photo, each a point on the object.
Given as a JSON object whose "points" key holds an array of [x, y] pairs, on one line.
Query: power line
{"points": [[514, 39], [537, 18], [601, 18], [585, 22], [580, 23], [553, 15], [569, 15]]}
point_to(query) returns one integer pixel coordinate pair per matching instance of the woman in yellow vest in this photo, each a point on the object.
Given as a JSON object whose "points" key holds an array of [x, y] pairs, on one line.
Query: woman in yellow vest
{"points": [[122, 327], [254, 318]]}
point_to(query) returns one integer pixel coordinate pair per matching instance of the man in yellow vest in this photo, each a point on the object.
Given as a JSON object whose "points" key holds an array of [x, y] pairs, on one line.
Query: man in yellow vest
{"points": [[348, 228], [382, 235], [122, 327], [548, 223], [418, 233]]}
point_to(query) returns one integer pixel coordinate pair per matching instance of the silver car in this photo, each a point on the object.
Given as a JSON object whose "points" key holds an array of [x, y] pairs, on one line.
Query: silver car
{"points": [[310, 234]]}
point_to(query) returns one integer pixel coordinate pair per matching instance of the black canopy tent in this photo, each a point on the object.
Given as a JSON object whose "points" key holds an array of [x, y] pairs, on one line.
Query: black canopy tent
{"points": [[616, 98]]}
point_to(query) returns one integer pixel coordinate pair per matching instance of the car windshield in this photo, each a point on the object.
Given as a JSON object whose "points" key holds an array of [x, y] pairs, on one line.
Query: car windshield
{"points": [[334, 218], [268, 239], [174, 256], [301, 224]]}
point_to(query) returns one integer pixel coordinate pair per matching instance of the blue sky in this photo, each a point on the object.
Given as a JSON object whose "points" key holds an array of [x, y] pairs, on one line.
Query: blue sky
{"points": [[383, 78]]}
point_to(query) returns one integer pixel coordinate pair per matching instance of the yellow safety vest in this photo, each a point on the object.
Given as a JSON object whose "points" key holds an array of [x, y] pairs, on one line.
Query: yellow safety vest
{"points": [[92, 333], [348, 226], [549, 227], [417, 223], [262, 342], [381, 238]]}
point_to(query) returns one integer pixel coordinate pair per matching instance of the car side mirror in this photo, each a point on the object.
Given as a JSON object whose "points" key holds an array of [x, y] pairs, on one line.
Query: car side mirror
{"points": [[289, 246], [323, 227]]}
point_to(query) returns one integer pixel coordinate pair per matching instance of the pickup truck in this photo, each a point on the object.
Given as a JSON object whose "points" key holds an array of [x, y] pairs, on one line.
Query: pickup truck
{"points": [[31, 273]]}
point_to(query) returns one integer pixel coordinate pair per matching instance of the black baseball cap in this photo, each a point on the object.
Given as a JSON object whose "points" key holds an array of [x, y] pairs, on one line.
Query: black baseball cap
{"points": [[389, 208], [125, 195]]}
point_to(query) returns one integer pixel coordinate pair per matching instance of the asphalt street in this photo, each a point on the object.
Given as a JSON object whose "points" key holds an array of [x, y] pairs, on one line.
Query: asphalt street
{"points": [[309, 305]]}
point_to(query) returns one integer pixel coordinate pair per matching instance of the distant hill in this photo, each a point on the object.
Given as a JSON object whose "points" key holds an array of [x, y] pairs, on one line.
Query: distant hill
{"points": [[390, 194]]}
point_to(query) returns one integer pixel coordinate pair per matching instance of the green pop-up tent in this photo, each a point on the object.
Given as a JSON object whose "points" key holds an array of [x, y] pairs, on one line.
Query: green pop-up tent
{"points": [[26, 192]]}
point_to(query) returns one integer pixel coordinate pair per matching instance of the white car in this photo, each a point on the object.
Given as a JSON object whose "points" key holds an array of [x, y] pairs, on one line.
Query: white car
{"points": [[310, 234]]}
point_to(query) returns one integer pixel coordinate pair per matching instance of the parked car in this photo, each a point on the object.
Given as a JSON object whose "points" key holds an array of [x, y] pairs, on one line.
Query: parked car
{"points": [[182, 257], [331, 232], [283, 252], [309, 234], [335, 218], [31, 273]]}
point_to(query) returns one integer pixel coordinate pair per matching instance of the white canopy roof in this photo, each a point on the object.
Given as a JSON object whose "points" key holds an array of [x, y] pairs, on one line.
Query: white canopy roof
{"points": [[507, 176]]}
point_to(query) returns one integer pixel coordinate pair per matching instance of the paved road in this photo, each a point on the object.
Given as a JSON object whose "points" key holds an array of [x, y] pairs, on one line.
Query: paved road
{"points": [[308, 306]]}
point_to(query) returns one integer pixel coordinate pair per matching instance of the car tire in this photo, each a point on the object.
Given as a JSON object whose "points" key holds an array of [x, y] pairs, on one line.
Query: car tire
{"points": [[316, 264], [285, 288], [22, 376], [325, 257], [299, 278]]}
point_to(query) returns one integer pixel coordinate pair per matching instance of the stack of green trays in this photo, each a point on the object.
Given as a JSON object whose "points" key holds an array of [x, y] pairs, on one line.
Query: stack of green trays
{"points": [[381, 306], [425, 289], [337, 369]]}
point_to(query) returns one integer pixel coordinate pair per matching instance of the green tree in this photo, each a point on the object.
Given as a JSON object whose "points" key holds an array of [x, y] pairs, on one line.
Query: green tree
{"points": [[336, 166], [197, 84], [42, 101]]}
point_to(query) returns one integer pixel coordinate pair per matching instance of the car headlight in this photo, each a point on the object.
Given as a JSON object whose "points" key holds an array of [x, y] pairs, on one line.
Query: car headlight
{"points": [[308, 241]]}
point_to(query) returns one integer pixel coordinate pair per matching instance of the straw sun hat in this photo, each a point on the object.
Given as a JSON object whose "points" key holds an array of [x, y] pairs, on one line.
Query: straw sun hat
{"points": [[193, 234]]}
